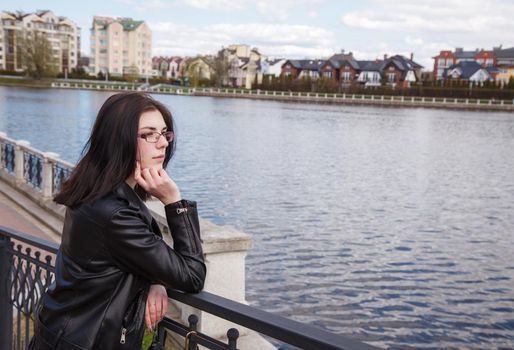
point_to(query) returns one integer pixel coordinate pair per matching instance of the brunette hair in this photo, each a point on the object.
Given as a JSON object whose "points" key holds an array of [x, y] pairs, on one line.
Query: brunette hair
{"points": [[109, 156]]}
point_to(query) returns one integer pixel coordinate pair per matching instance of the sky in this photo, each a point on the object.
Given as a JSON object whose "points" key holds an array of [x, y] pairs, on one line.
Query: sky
{"points": [[302, 28]]}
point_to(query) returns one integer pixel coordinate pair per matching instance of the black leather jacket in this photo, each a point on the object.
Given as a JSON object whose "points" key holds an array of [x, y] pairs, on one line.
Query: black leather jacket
{"points": [[111, 251]]}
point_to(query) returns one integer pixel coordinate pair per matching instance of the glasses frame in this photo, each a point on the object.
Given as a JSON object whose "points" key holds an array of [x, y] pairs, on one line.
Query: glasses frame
{"points": [[145, 136]]}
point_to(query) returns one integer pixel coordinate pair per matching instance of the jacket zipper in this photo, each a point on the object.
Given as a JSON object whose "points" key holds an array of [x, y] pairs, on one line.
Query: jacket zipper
{"points": [[189, 226], [181, 210], [123, 333]]}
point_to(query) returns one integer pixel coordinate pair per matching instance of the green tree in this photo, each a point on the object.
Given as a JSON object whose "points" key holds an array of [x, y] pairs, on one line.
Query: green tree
{"points": [[193, 73], [220, 69], [510, 84], [131, 74], [326, 85], [36, 55]]}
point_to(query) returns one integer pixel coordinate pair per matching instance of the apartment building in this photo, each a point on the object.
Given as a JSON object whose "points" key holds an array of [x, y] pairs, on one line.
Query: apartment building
{"points": [[120, 46], [62, 33]]}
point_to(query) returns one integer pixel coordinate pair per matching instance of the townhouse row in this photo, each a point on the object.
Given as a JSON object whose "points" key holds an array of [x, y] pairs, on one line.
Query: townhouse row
{"points": [[496, 65], [247, 67]]}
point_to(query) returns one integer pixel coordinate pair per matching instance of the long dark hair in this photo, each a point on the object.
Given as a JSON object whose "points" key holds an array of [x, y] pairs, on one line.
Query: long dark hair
{"points": [[109, 156]]}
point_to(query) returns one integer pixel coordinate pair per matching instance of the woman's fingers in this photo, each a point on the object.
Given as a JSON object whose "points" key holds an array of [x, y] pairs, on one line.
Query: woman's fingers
{"points": [[157, 182], [138, 176], [156, 306], [148, 320]]}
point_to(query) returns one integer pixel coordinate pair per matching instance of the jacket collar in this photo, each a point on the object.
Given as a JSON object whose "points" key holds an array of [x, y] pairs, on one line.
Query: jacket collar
{"points": [[126, 192]]}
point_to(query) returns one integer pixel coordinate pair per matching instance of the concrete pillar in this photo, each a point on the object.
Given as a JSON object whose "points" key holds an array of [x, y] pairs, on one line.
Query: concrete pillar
{"points": [[48, 174], [19, 160]]}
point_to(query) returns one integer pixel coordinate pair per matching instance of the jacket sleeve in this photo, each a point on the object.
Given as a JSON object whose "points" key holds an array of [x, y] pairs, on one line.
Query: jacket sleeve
{"points": [[136, 249]]}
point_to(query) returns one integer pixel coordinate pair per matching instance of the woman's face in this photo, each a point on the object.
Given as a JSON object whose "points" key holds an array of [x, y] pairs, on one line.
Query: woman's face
{"points": [[149, 154]]}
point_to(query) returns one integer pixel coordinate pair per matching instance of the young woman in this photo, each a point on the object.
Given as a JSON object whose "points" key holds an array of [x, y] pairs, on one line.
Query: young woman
{"points": [[113, 266]]}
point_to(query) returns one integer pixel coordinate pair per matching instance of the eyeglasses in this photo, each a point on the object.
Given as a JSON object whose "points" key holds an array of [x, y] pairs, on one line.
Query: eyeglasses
{"points": [[154, 136]]}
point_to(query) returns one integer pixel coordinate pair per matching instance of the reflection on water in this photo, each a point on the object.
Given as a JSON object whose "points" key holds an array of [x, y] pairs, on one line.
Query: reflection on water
{"points": [[389, 225]]}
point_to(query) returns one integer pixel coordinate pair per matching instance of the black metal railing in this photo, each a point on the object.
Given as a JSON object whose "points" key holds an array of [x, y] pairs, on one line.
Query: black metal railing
{"points": [[7, 151], [33, 169], [60, 174], [27, 269]]}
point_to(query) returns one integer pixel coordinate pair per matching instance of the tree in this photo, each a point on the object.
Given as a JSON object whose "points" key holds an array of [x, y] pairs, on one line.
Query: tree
{"points": [[36, 55], [131, 74], [220, 69]]}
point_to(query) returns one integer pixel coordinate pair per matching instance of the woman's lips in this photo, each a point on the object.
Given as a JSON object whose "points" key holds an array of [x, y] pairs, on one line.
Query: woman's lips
{"points": [[159, 157]]}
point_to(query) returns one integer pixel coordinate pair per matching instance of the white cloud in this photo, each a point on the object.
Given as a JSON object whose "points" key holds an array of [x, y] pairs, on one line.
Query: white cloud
{"points": [[432, 25], [414, 41], [470, 16], [312, 14], [270, 39], [228, 5]]}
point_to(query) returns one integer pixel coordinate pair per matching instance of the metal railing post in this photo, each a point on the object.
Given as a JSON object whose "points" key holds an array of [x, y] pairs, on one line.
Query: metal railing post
{"points": [[6, 315]]}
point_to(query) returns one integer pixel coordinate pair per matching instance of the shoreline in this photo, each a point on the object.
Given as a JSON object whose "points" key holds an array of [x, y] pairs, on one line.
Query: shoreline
{"points": [[282, 96]]}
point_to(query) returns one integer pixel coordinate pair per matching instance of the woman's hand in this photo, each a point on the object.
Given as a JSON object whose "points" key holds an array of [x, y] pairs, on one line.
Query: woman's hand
{"points": [[157, 183], [156, 305]]}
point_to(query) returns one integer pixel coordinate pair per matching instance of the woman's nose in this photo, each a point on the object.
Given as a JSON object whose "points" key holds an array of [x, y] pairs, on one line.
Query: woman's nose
{"points": [[162, 142]]}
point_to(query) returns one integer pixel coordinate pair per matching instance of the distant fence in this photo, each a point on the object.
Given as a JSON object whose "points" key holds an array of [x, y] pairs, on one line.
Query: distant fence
{"points": [[313, 97]]}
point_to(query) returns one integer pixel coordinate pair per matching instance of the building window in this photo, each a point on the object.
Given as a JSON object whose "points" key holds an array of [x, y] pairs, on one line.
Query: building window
{"points": [[391, 77], [347, 76], [327, 74]]}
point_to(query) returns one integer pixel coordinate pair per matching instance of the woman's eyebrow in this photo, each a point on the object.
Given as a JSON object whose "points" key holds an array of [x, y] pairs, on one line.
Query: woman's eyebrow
{"points": [[152, 128]]}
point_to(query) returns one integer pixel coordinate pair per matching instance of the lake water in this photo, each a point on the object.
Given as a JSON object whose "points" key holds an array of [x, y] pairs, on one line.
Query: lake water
{"points": [[393, 226]]}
